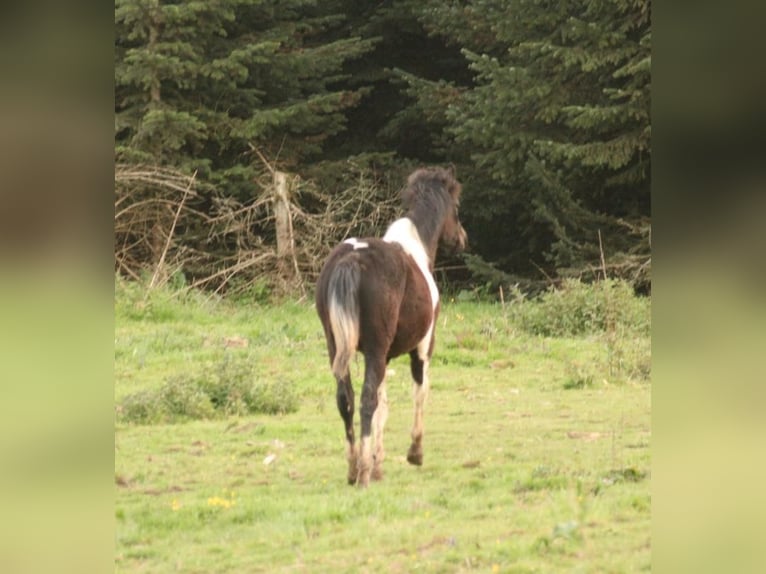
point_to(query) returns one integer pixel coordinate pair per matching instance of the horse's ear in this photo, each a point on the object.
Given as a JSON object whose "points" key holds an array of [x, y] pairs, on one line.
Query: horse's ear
{"points": [[454, 186]]}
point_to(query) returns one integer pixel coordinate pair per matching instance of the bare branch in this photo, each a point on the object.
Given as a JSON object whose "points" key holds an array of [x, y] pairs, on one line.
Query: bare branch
{"points": [[229, 246], [161, 262]]}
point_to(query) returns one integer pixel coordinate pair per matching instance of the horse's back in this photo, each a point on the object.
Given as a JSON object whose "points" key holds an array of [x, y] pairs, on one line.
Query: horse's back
{"points": [[394, 299]]}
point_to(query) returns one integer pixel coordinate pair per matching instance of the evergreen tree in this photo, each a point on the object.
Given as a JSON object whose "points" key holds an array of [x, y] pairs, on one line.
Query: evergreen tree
{"points": [[557, 128], [196, 82], [390, 132], [542, 105]]}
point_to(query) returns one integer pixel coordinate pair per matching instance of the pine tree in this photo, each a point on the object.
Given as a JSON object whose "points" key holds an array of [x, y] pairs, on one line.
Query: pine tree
{"points": [[390, 132], [197, 82], [557, 127]]}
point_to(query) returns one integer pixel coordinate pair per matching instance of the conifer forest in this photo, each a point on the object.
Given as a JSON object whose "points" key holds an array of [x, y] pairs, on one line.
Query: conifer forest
{"points": [[541, 106]]}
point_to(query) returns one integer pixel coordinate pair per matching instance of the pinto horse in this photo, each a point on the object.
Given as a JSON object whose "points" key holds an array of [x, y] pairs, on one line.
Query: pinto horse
{"points": [[378, 296]]}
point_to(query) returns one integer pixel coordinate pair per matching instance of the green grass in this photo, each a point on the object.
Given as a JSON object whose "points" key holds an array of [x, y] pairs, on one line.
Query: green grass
{"points": [[525, 470]]}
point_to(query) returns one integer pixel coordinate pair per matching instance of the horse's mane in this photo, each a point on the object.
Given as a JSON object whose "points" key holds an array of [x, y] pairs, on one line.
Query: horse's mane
{"points": [[429, 194]]}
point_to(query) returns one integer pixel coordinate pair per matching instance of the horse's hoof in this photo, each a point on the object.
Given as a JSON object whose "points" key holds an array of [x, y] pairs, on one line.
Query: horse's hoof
{"points": [[377, 474], [353, 472], [415, 457], [363, 477]]}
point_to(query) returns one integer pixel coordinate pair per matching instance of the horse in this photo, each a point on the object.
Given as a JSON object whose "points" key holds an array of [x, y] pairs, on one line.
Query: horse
{"points": [[378, 296]]}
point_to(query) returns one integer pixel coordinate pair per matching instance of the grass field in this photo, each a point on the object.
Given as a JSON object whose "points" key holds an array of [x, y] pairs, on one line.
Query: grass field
{"points": [[537, 448]]}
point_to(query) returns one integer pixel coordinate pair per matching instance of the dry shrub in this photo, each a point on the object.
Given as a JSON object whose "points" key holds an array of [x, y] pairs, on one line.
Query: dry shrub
{"points": [[168, 224]]}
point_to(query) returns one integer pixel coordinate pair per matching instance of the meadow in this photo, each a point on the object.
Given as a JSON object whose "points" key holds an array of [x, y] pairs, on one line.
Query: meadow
{"points": [[229, 451]]}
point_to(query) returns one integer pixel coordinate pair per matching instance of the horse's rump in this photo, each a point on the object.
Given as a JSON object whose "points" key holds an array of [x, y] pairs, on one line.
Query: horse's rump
{"points": [[382, 290]]}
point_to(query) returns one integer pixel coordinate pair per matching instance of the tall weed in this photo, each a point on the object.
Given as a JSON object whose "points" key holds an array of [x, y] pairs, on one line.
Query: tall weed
{"points": [[135, 300], [231, 387], [607, 310], [576, 308]]}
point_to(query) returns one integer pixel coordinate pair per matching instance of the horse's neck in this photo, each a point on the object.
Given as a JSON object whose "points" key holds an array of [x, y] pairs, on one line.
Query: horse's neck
{"points": [[404, 232]]}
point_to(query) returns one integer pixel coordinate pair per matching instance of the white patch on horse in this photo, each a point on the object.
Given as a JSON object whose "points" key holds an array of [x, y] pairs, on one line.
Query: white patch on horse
{"points": [[353, 241], [404, 232], [364, 462], [379, 418], [420, 393]]}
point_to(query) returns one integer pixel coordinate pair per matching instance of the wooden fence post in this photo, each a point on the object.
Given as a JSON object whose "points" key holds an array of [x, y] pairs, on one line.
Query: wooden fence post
{"points": [[288, 267]]}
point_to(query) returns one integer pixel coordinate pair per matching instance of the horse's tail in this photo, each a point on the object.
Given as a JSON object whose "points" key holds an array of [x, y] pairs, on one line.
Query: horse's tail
{"points": [[343, 309]]}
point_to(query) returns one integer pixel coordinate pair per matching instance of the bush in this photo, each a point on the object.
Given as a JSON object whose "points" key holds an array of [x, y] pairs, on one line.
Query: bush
{"points": [[577, 308], [182, 398], [141, 408], [228, 388], [233, 389]]}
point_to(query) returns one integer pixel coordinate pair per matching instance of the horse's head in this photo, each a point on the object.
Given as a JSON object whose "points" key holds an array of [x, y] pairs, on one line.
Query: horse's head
{"points": [[432, 198], [453, 235]]}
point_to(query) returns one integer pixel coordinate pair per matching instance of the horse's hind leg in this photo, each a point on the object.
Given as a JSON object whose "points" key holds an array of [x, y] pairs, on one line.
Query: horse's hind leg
{"points": [[345, 400], [374, 372], [419, 368], [378, 425]]}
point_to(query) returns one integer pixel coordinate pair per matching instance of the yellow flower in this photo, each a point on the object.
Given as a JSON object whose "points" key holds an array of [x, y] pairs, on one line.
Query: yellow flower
{"points": [[218, 501], [175, 505], [496, 568]]}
